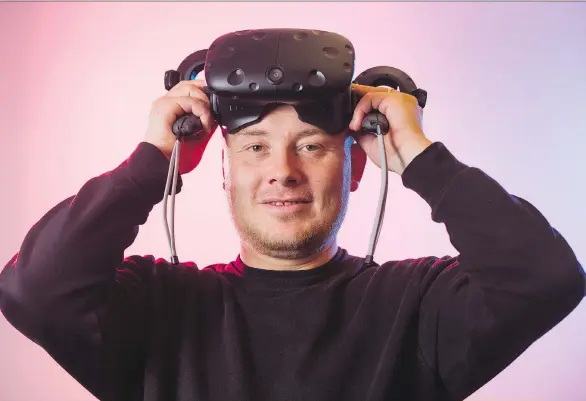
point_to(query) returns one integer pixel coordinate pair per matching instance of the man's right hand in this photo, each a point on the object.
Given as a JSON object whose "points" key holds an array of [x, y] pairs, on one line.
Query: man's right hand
{"points": [[185, 97]]}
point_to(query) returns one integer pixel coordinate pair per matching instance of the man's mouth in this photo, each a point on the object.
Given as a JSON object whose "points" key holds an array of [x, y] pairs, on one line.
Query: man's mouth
{"points": [[285, 203]]}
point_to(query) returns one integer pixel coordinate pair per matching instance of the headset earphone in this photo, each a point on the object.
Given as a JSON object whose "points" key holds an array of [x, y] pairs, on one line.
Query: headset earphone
{"points": [[312, 70]]}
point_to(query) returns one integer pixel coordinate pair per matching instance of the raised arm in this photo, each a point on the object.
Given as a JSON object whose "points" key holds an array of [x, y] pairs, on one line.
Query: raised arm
{"points": [[515, 277], [69, 290]]}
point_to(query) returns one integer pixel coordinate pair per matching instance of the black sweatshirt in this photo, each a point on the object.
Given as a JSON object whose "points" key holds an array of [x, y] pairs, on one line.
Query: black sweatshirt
{"points": [[425, 329]]}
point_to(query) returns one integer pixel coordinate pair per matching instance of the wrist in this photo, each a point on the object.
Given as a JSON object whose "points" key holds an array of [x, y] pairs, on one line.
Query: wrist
{"points": [[162, 147], [431, 172], [407, 152], [145, 170]]}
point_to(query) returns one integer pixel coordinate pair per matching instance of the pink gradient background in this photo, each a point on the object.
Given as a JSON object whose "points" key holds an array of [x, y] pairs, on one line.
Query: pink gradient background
{"points": [[507, 93]]}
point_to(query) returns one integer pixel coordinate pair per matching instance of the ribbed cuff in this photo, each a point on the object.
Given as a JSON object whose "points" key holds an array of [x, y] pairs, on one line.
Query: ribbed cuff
{"points": [[431, 172], [147, 167]]}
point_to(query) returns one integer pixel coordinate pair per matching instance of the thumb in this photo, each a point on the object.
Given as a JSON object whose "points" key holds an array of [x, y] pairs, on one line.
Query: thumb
{"points": [[365, 139]]}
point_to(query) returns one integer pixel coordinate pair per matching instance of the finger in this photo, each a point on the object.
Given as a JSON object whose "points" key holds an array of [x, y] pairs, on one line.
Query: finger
{"points": [[180, 105], [372, 100], [189, 82], [362, 90], [192, 88], [198, 108], [176, 107], [364, 140]]}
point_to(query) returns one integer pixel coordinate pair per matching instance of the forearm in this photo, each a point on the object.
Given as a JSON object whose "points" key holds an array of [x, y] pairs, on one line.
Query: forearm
{"points": [[69, 260], [503, 241], [514, 279]]}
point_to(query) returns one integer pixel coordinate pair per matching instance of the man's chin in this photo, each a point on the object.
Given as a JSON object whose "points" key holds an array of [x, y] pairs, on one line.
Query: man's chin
{"points": [[289, 240], [287, 244], [285, 250]]}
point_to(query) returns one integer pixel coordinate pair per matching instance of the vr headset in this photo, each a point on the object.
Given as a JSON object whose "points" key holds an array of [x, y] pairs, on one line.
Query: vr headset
{"points": [[247, 72]]}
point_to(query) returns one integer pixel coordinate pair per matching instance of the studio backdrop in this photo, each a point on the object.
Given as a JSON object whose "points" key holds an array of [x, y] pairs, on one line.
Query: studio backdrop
{"points": [[507, 94]]}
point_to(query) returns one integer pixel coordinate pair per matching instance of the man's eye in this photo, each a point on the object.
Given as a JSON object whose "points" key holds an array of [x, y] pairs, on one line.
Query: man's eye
{"points": [[311, 148]]}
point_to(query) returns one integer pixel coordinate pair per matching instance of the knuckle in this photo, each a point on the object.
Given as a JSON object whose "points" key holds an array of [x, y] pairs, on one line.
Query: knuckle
{"points": [[158, 103], [410, 100], [199, 95], [200, 107], [184, 88], [194, 102], [366, 100], [193, 87], [369, 95], [186, 82]]}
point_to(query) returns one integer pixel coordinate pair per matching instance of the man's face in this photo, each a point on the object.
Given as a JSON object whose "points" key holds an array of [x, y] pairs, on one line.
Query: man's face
{"points": [[288, 184]]}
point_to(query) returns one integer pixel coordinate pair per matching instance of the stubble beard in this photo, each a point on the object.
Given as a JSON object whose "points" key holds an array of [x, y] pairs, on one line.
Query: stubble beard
{"points": [[273, 244]]}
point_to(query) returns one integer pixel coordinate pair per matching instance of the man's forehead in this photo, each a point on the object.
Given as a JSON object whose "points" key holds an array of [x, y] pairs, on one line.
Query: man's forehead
{"points": [[257, 131]]}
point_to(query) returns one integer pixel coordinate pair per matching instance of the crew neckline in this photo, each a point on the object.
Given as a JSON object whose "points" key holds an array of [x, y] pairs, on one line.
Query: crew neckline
{"points": [[262, 279]]}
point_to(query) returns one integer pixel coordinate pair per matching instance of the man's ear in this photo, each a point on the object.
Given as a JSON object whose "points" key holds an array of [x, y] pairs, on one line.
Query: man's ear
{"points": [[358, 157]]}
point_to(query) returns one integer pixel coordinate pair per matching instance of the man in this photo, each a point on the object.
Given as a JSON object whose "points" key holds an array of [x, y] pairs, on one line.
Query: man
{"points": [[294, 317]]}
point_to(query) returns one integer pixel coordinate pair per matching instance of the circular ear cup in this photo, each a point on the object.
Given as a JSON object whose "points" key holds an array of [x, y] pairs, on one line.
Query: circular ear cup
{"points": [[189, 68], [386, 76], [193, 65], [394, 78]]}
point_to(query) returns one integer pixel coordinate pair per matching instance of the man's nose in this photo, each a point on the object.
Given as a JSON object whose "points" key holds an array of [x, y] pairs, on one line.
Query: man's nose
{"points": [[284, 168]]}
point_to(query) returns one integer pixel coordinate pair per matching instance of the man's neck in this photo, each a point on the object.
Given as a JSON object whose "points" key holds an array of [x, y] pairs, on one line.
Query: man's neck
{"points": [[253, 258]]}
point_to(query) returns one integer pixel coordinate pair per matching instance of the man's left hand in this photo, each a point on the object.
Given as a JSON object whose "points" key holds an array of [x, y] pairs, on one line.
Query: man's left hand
{"points": [[405, 139]]}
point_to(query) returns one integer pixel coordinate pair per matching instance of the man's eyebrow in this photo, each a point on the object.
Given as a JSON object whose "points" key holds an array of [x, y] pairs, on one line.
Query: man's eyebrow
{"points": [[259, 132], [251, 132], [311, 132]]}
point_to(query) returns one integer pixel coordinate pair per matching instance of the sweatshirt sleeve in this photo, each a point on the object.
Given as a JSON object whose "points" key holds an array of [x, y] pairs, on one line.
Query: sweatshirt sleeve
{"points": [[69, 288], [514, 279]]}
